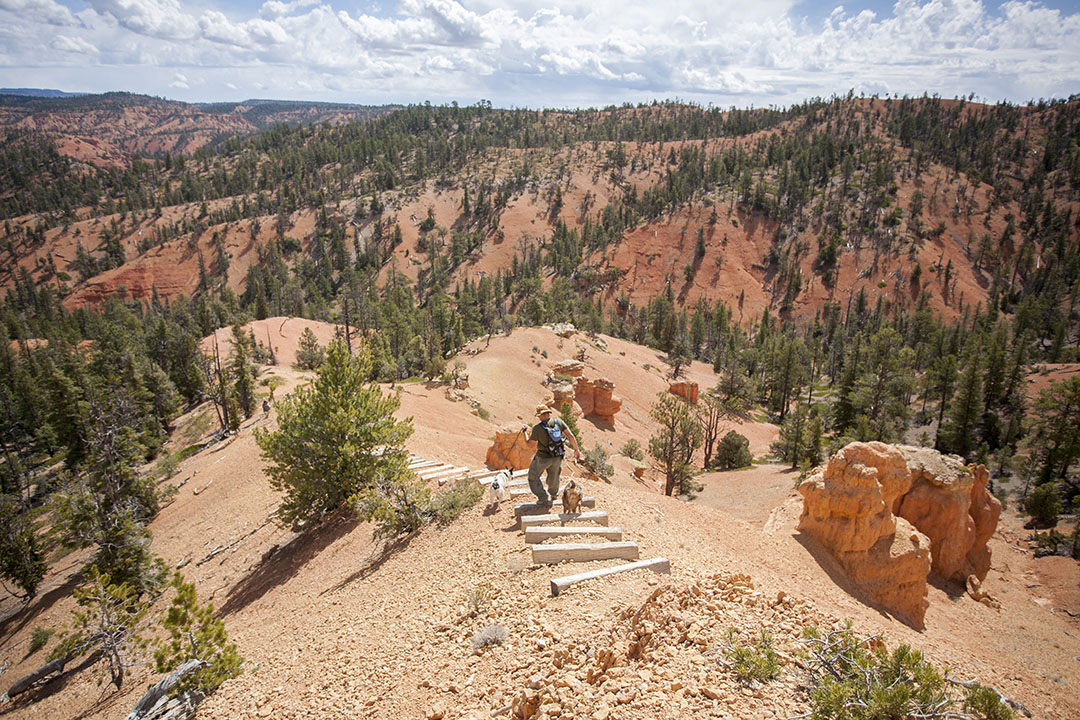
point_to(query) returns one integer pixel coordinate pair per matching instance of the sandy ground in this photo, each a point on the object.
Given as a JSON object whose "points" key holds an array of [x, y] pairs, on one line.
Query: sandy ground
{"points": [[333, 624]]}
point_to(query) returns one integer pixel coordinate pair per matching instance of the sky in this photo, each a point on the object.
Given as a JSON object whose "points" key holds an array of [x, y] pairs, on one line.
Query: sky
{"points": [[544, 53]]}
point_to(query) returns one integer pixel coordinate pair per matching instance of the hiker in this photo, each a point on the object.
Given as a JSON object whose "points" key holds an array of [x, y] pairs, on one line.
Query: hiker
{"points": [[549, 438]]}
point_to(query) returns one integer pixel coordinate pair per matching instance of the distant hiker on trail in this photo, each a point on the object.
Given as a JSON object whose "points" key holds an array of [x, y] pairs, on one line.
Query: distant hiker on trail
{"points": [[549, 438]]}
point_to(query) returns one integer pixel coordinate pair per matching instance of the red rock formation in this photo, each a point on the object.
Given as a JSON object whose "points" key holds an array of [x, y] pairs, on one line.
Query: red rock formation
{"points": [[985, 511], [891, 515], [511, 449], [685, 389], [944, 501], [847, 508], [562, 393], [595, 398]]}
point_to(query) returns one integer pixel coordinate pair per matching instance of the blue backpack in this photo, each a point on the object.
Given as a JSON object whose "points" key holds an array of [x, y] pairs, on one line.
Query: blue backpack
{"points": [[556, 442]]}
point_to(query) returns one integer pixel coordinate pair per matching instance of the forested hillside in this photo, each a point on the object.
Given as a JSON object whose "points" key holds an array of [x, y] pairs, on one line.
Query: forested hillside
{"points": [[852, 269]]}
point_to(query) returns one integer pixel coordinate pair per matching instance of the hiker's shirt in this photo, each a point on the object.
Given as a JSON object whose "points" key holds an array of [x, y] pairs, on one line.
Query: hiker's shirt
{"points": [[543, 441]]}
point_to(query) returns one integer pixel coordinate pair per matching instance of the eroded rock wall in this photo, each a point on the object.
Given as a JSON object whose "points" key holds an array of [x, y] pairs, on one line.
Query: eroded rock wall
{"points": [[893, 514]]}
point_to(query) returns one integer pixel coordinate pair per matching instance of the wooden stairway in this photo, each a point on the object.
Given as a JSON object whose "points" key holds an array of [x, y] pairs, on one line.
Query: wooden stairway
{"points": [[539, 525], [542, 523]]}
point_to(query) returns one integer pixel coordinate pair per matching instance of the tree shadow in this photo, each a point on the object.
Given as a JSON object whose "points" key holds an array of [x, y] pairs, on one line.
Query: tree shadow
{"points": [[17, 620], [278, 567], [374, 561], [842, 580]]}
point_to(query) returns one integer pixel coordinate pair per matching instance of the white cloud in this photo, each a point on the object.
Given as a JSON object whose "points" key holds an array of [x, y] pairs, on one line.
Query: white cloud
{"points": [[525, 52], [164, 19], [179, 81], [43, 11], [63, 43], [275, 9]]}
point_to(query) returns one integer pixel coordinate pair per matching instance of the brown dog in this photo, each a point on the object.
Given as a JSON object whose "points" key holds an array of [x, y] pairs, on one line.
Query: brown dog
{"points": [[571, 498]]}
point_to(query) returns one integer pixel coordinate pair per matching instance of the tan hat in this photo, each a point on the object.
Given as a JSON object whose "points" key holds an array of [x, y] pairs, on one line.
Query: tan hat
{"points": [[541, 409]]}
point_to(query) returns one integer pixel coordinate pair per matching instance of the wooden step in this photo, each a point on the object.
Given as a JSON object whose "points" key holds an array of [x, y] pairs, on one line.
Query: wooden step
{"points": [[584, 552], [443, 473], [424, 464], [540, 533], [657, 564], [530, 508], [599, 517]]}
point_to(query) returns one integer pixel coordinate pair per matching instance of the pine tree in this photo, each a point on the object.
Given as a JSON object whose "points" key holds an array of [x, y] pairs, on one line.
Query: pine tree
{"points": [[309, 356], [675, 441], [243, 372], [958, 433], [336, 439], [195, 634], [111, 621]]}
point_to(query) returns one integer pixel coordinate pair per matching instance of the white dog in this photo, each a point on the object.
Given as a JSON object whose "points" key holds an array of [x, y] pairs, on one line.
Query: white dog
{"points": [[497, 488]]}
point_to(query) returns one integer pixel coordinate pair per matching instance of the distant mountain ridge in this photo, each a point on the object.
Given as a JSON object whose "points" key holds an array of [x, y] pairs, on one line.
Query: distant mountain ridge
{"points": [[39, 92], [105, 128]]}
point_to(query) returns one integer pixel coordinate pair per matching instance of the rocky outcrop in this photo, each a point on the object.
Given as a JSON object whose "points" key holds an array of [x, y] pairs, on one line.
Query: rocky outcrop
{"points": [[596, 398], [847, 508], [892, 514], [561, 393], [570, 368], [949, 503], [685, 389], [511, 449], [985, 510]]}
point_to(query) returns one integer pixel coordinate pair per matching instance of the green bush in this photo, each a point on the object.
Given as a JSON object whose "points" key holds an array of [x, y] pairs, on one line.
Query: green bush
{"points": [[596, 462], [858, 679], [456, 499], [733, 452], [752, 664], [1043, 505], [38, 637], [195, 634], [632, 449]]}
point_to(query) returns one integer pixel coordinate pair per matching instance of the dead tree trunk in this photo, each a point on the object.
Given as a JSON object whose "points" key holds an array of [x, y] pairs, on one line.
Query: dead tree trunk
{"points": [[153, 696], [53, 669]]}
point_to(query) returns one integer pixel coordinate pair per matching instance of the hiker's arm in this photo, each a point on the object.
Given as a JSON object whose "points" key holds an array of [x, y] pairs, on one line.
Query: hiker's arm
{"points": [[573, 443], [530, 440]]}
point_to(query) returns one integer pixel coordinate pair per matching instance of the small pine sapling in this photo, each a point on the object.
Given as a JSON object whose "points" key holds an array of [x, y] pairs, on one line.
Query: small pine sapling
{"points": [[195, 634]]}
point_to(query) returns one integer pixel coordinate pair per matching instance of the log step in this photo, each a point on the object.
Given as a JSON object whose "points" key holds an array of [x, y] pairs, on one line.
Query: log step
{"points": [[584, 552], [657, 564], [531, 508], [443, 473], [540, 533], [599, 517], [424, 465]]}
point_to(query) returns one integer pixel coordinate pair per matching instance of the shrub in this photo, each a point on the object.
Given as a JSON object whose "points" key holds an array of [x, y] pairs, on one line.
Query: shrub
{"points": [[632, 449], [456, 499], [752, 664], [858, 678], [38, 637], [733, 452], [1043, 505], [479, 597], [491, 635], [596, 462], [566, 412]]}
